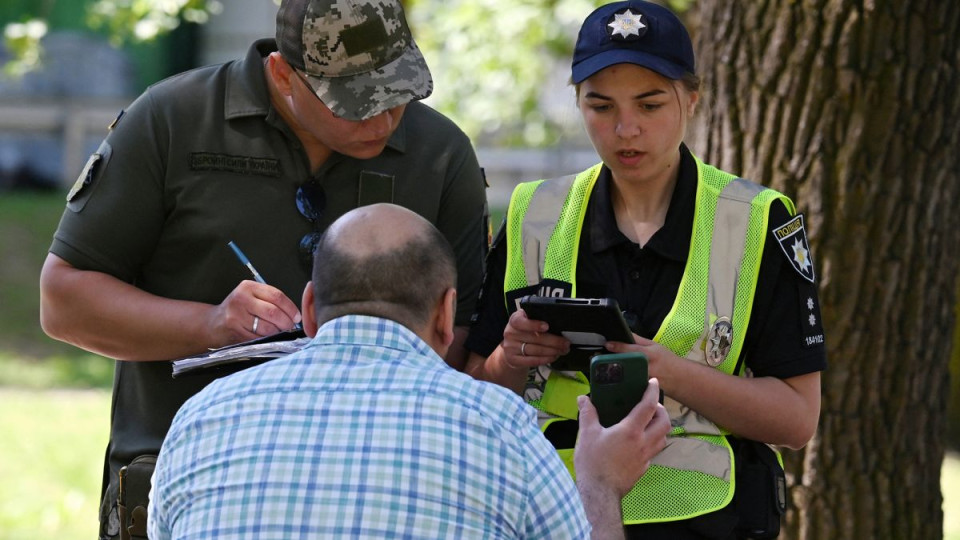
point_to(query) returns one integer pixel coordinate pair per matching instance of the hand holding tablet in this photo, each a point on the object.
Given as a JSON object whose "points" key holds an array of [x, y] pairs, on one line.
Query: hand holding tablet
{"points": [[587, 322]]}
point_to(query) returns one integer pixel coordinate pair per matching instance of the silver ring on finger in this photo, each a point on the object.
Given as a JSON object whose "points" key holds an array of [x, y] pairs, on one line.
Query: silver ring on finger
{"points": [[523, 347], [256, 323]]}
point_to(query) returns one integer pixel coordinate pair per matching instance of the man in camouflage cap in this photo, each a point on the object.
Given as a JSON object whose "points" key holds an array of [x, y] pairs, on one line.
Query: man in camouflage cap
{"points": [[359, 57], [265, 152]]}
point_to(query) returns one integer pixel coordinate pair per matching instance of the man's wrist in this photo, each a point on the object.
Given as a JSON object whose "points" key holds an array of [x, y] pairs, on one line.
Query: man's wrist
{"points": [[601, 502]]}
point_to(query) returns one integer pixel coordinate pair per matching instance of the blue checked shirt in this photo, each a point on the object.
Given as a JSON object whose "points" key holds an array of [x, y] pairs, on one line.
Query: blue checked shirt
{"points": [[365, 433]]}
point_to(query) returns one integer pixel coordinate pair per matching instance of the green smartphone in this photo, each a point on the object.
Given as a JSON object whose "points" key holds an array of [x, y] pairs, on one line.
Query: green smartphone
{"points": [[617, 384]]}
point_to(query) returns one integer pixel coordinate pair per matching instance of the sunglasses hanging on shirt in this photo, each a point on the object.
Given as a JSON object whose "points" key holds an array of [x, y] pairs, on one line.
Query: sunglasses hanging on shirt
{"points": [[311, 202]]}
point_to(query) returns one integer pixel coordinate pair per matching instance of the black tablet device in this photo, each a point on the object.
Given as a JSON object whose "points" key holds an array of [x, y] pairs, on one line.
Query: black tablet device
{"points": [[587, 322]]}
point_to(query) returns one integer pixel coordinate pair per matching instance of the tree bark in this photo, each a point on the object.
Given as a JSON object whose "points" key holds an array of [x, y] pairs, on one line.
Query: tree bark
{"points": [[851, 108]]}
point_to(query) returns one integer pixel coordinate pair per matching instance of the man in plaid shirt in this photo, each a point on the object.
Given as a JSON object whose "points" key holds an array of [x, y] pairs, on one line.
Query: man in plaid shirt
{"points": [[367, 433]]}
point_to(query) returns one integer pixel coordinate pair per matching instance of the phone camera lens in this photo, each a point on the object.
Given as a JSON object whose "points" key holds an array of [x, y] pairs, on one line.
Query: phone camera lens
{"points": [[609, 373]]}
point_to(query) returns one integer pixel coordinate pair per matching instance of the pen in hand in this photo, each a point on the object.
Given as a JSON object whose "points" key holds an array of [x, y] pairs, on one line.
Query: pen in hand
{"points": [[246, 262], [256, 275]]}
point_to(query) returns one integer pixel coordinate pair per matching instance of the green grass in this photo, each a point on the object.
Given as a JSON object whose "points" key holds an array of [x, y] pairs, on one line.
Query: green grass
{"points": [[51, 450], [51, 462], [77, 370]]}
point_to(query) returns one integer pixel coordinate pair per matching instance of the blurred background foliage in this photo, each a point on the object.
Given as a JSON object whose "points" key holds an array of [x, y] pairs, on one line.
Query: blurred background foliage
{"points": [[493, 61], [496, 64], [139, 27], [123, 22]]}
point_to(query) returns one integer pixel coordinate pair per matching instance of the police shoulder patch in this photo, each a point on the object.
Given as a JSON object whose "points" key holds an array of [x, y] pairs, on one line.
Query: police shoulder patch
{"points": [[793, 241]]}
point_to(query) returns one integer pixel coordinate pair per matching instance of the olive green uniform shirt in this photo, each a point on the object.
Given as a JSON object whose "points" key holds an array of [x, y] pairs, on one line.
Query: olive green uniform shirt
{"points": [[201, 159]]}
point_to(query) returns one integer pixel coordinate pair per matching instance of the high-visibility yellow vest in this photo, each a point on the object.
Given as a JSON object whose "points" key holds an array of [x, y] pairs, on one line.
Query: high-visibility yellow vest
{"points": [[694, 474]]}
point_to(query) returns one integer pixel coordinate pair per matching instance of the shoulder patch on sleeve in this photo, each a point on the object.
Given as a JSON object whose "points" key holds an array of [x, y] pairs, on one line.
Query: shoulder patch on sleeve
{"points": [[86, 176], [83, 188], [793, 241], [116, 120]]}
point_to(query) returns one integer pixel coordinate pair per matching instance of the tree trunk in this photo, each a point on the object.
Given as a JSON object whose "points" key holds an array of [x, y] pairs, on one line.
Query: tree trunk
{"points": [[851, 107]]}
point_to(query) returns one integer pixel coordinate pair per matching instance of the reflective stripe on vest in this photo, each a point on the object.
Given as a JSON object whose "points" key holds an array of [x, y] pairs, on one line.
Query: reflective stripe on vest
{"points": [[694, 474], [553, 219]]}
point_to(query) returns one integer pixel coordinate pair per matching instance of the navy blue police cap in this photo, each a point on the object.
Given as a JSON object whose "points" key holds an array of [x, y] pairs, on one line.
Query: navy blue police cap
{"points": [[633, 32]]}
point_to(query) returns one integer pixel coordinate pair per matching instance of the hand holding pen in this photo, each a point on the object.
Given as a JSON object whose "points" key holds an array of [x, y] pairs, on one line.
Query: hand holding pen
{"points": [[271, 310], [246, 262]]}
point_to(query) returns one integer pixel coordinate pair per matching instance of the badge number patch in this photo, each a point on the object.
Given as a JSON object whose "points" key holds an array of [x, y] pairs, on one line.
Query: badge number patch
{"points": [[793, 241]]}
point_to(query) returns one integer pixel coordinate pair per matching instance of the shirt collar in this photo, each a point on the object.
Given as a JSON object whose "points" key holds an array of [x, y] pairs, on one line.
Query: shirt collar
{"points": [[246, 90], [673, 239], [367, 331], [247, 93]]}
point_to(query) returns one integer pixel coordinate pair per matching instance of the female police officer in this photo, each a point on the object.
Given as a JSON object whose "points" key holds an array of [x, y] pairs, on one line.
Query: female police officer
{"points": [[714, 271]]}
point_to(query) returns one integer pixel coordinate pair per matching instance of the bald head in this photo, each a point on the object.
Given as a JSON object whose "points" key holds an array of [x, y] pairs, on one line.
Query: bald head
{"points": [[376, 229], [382, 260]]}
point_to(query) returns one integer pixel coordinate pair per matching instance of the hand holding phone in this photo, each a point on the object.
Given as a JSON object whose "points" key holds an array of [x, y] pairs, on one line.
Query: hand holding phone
{"points": [[617, 384], [615, 457]]}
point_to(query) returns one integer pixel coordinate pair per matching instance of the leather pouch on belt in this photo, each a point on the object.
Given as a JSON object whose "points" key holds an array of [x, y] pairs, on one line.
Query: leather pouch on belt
{"points": [[761, 498], [134, 497]]}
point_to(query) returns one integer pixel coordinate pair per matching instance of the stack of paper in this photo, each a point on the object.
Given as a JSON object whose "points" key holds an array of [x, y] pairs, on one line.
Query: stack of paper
{"points": [[252, 352]]}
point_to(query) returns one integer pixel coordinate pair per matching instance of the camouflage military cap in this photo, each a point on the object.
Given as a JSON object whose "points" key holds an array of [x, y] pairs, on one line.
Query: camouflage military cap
{"points": [[357, 55]]}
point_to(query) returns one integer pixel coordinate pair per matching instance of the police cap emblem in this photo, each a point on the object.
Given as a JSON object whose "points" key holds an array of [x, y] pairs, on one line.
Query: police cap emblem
{"points": [[625, 25]]}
